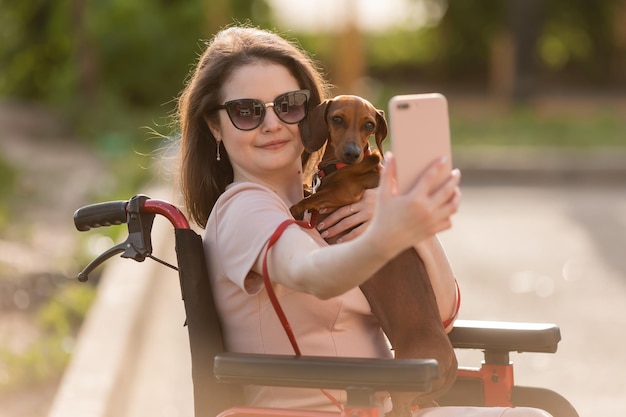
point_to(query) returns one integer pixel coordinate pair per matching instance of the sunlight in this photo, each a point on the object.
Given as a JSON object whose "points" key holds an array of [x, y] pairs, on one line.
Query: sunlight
{"points": [[371, 15]]}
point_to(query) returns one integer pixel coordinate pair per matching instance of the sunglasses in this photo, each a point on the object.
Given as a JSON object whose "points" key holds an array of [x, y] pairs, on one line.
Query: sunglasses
{"points": [[248, 113]]}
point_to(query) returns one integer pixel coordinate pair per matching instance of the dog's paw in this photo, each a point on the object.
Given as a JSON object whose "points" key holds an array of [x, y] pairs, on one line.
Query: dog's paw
{"points": [[297, 211], [373, 159]]}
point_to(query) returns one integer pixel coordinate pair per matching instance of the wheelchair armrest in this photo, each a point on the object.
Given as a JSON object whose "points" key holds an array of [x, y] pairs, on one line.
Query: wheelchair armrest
{"points": [[505, 336], [410, 375]]}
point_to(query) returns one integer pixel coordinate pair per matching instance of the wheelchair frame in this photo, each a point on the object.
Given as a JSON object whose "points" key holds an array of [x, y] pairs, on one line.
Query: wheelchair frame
{"points": [[220, 393]]}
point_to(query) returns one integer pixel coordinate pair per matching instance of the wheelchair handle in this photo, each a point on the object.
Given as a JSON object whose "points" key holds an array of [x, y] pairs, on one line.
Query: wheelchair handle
{"points": [[114, 213], [138, 213], [109, 213]]}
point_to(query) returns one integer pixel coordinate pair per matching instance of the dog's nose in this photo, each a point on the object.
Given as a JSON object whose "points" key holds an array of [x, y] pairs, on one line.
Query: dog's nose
{"points": [[351, 153]]}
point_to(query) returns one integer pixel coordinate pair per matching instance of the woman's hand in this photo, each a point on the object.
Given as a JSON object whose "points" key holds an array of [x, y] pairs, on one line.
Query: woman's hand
{"points": [[435, 198], [343, 218], [420, 213]]}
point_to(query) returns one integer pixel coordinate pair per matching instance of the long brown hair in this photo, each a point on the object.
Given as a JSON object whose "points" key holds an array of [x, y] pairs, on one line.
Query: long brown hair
{"points": [[203, 178]]}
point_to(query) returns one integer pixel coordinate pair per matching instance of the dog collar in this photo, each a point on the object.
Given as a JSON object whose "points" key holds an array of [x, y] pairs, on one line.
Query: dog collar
{"points": [[328, 169]]}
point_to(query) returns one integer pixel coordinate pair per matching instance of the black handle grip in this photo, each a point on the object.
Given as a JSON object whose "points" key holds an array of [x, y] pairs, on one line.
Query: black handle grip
{"points": [[100, 214]]}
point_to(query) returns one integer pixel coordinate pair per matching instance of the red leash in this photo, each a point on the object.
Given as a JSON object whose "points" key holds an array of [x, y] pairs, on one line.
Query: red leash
{"points": [[272, 295], [268, 285]]}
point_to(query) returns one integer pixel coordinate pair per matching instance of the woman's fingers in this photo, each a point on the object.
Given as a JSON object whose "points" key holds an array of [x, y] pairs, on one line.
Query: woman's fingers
{"points": [[433, 200], [445, 202], [339, 221], [433, 177], [446, 189], [353, 233], [347, 217], [335, 216]]}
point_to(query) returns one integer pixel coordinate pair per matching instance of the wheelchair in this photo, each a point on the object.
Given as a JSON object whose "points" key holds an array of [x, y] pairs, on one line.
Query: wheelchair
{"points": [[220, 393]]}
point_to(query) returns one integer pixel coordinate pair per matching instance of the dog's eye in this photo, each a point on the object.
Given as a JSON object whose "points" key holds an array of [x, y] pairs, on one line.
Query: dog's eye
{"points": [[370, 126], [337, 120]]}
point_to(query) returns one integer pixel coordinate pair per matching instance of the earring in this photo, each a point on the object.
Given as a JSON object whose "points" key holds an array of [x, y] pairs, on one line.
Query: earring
{"points": [[218, 150]]}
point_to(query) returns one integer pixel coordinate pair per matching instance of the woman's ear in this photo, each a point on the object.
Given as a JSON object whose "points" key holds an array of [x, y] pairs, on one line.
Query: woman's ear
{"points": [[214, 127]]}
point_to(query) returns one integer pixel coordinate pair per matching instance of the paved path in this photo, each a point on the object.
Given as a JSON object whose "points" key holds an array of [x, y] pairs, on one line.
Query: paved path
{"points": [[553, 253], [542, 253]]}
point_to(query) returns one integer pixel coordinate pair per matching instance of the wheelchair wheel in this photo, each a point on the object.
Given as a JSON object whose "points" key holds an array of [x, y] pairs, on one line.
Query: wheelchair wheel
{"points": [[543, 399]]}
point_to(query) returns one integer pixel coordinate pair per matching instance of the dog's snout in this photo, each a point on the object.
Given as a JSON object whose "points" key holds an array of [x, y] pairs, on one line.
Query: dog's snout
{"points": [[351, 152]]}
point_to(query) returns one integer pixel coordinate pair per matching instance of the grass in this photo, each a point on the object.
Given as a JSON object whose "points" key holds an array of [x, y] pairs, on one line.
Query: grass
{"points": [[524, 128], [577, 121]]}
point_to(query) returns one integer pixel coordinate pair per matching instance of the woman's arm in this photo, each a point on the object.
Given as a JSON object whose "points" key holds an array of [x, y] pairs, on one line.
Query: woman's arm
{"points": [[303, 263]]}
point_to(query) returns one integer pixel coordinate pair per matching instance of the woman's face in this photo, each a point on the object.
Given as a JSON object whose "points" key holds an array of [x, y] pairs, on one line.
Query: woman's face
{"points": [[274, 147]]}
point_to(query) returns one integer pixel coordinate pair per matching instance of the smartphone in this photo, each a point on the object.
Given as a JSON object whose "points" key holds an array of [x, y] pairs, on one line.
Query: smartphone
{"points": [[420, 134]]}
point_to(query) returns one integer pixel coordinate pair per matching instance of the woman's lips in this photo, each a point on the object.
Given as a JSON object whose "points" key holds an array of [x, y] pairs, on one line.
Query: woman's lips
{"points": [[275, 144]]}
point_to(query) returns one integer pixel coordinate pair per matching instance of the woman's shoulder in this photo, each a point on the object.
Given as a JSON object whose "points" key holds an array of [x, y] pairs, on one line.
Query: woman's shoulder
{"points": [[249, 207], [247, 191], [248, 197]]}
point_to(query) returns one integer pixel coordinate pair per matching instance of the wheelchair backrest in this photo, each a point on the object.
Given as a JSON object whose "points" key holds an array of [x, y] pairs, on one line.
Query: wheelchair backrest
{"points": [[204, 327]]}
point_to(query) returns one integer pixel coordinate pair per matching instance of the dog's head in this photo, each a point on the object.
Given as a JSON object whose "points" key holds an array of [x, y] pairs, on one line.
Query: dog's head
{"points": [[346, 122]]}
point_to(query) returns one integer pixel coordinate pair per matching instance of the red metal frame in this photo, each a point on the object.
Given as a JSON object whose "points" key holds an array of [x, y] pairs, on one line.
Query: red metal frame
{"points": [[167, 210], [497, 382], [280, 412]]}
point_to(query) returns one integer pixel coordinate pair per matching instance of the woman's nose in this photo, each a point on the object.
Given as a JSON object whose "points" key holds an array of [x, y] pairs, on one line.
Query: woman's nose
{"points": [[271, 120]]}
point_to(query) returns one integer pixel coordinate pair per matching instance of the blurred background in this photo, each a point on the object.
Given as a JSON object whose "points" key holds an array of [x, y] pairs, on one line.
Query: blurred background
{"points": [[88, 90]]}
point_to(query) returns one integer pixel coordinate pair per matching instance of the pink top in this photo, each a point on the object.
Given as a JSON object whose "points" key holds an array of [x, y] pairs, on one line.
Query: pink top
{"points": [[239, 226]]}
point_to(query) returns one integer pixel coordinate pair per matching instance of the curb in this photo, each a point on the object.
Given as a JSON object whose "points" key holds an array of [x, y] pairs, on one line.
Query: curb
{"points": [[106, 371], [95, 377]]}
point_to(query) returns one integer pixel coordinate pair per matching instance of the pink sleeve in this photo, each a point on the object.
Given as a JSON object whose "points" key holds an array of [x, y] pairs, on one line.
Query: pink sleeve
{"points": [[245, 217]]}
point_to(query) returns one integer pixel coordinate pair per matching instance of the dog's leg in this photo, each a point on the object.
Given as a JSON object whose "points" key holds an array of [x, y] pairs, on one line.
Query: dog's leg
{"points": [[342, 187], [402, 298]]}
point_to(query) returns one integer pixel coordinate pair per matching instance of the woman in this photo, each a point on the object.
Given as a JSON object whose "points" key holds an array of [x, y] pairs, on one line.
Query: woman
{"points": [[243, 166]]}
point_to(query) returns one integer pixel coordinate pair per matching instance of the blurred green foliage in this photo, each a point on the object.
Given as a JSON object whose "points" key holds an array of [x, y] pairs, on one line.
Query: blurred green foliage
{"points": [[58, 321], [36, 50], [62, 314], [575, 45], [113, 65], [580, 38], [521, 127], [8, 177], [571, 35], [105, 60]]}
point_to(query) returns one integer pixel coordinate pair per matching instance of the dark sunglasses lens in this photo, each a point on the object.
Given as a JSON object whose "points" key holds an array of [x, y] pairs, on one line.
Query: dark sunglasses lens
{"points": [[246, 114], [291, 107]]}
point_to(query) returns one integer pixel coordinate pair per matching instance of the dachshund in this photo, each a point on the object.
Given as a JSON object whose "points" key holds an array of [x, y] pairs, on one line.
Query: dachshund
{"points": [[347, 167], [400, 294]]}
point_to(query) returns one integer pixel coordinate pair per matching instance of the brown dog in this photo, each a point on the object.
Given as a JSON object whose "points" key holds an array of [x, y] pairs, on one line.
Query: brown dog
{"points": [[350, 121], [400, 294]]}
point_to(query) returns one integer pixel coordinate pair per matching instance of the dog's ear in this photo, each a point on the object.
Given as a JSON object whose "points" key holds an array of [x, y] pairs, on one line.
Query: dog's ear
{"points": [[314, 128], [381, 130]]}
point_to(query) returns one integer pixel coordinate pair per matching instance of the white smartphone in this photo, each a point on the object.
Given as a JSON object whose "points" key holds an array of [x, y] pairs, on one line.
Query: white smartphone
{"points": [[420, 134]]}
